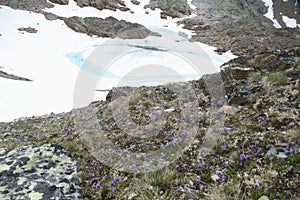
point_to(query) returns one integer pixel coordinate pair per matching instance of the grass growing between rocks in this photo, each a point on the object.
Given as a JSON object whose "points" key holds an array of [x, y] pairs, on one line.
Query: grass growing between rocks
{"points": [[257, 153]]}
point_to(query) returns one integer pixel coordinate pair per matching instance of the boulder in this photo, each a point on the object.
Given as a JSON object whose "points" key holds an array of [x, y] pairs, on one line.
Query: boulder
{"points": [[44, 172], [173, 8], [108, 27], [61, 2], [103, 4]]}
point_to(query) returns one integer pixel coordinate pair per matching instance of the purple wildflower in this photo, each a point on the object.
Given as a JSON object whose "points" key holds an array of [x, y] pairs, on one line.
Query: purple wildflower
{"points": [[113, 182], [251, 146], [203, 138], [185, 166], [197, 180], [291, 150], [268, 146], [271, 158], [90, 175], [242, 157], [97, 185], [177, 167], [287, 147], [223, 178], [113, 189], [199, 165], [218, 174], [223, 146], [258, 151], [256, 185], [246, 156]]}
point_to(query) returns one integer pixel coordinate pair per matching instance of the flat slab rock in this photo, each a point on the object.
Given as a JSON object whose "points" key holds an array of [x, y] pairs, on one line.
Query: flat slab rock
{"points": [[45, 172], [108, 27]]}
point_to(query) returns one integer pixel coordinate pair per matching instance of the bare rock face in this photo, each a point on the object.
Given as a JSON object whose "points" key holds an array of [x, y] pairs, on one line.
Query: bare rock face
{"points": [[109, 27], [103, 4], [172, 8], [61, 2]]}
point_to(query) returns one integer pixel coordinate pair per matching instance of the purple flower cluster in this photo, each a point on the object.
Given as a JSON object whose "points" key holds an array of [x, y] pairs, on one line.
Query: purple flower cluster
{"points": [[289, 149], [113, 182], [223, 177], [96, 185], [243, 156]]}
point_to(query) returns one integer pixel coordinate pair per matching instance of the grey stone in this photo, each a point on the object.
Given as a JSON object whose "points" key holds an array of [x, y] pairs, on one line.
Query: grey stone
{"points": [[44, 172], [108, 27]]}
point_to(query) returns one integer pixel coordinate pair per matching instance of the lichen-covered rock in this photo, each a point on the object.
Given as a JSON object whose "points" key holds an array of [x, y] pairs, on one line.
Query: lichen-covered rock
{"points": [[108, 27], [45, 172]]}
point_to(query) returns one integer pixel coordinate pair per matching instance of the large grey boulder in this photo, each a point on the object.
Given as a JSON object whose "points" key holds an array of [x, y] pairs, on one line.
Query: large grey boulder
{"points": [[108, 27], [45, 172]]}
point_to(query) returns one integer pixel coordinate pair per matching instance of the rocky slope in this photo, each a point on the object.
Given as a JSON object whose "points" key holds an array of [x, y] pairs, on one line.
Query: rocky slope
{"points": [[233, 25], [255, 153], [173, 8], [238, 26]]}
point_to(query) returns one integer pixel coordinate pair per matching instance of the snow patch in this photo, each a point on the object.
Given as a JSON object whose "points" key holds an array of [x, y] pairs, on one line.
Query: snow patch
{"points": [[292, 23], [270, 14]]}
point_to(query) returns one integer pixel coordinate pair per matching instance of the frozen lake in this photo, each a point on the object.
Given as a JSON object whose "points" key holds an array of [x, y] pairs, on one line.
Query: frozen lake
{"points": [[54, 56]]}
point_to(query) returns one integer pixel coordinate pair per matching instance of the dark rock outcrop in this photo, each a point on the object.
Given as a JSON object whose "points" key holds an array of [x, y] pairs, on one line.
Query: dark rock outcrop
{"points": [[238, 74], [173, 8], [238, 26], [104, 4], [135, 2], [12, 76], [45, 172], [61, 2], [28, 30], [108, 27]]}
